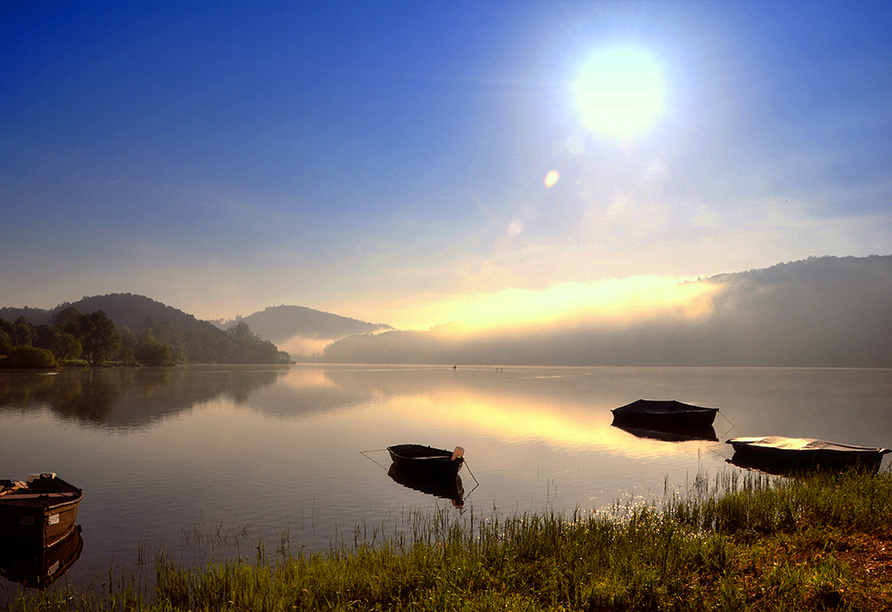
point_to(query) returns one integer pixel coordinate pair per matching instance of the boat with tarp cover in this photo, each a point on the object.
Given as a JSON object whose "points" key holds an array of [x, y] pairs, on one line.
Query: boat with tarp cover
{"points": [[663, 414], [778, 454]]}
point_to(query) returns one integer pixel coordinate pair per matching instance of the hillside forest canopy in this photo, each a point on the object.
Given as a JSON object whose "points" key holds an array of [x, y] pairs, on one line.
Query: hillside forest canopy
{"points": [[75, 338]]}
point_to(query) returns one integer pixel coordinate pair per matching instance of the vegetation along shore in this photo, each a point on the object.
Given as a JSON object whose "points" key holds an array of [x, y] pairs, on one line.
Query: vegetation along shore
{"points": [[742, 541]]}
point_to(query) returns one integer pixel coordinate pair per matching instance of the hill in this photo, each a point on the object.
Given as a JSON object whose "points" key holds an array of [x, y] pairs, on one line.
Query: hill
{"points": [[301, 330], [124, 309], [153, 333], [819, 312]]}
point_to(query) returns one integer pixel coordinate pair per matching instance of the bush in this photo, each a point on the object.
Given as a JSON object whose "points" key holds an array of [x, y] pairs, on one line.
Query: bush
{"points": [[155, 353], [29, 357]]}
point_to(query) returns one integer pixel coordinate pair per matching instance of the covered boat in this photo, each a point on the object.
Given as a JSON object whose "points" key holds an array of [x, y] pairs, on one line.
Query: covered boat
{"points": [[663, 414], [426, 461], [778, 454], [38, 513]]}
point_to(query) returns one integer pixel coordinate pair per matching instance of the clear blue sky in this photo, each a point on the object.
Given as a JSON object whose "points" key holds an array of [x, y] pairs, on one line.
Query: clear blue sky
{"points": [[387, 161]]}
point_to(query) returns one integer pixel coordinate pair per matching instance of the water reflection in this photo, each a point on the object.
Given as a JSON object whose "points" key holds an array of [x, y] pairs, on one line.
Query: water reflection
{"points": [[445, 488], [42, 567], [129, 397], [568, 407], [682, 434]]}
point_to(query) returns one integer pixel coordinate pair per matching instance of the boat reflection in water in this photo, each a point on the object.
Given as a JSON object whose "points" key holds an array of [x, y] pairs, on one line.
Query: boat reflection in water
{"points": [[673, 434], [443, 486], [41, 567]]}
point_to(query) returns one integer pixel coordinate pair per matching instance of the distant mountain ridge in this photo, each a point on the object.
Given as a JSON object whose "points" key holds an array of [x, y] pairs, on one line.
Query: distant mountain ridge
{"points": [[295, 327], [282, 323]]}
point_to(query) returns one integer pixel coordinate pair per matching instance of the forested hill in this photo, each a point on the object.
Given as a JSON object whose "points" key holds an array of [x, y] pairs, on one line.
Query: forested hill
{"points": [[281, 323], [127, 329], [134, 312]]}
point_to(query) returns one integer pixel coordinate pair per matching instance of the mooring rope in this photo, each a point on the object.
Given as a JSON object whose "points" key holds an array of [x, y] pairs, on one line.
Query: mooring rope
{"points": [[363, 453]]}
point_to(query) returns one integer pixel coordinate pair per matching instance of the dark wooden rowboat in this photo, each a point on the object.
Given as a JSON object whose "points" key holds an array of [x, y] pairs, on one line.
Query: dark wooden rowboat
{"points": [[38, 513], [663, 414], [426, 461], [777, 454]]}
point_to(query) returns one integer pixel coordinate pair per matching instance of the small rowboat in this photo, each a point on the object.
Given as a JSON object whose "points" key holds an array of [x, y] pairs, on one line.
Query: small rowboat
{"points": [[427, 461], [663, 414], [778, 454], [38, 513]]}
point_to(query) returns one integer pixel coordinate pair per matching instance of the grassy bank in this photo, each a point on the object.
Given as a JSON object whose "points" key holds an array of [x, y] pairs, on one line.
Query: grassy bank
{"points": [[741, 542]]}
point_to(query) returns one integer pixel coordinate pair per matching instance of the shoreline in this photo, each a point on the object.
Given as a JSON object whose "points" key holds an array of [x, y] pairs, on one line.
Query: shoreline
{"points": [[753, 542]]}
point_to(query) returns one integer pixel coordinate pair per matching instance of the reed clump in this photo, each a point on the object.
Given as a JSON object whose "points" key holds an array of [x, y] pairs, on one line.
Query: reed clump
{"points": [[746, 542]]}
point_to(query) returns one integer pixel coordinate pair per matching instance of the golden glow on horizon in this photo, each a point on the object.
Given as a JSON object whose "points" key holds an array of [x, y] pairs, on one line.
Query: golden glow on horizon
{"points": [[613, 301], [619, 93]]}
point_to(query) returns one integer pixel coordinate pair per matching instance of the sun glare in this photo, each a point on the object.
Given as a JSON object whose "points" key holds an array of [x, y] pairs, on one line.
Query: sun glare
{"points": [[619, 93]]}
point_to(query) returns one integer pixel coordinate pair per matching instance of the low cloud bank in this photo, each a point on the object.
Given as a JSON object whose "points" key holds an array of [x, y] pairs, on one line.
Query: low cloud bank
{"points": [[821, 312]]}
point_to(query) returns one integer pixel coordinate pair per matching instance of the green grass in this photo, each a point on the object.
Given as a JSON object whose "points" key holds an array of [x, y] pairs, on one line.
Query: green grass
{"points": [[746, 542]]}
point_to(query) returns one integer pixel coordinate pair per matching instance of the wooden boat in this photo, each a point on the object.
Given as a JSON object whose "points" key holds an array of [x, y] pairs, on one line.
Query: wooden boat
{"points": [[424, 460], [777, 454], [40, 568], [663, 414], [38, 513]]}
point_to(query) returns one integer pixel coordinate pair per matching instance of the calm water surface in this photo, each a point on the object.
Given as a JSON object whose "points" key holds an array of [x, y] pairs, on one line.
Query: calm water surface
{"points": [[209, 461]]}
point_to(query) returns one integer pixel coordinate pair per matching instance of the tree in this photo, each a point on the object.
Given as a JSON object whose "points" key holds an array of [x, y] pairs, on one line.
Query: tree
{"points": [[67, 320], [24, 331], [45, 337], [251, 348], [66, 346], [5, 343], [98, 336]]}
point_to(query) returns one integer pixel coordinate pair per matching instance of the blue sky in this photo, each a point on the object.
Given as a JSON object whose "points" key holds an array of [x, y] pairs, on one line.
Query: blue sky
{"points": [[387, 161]]}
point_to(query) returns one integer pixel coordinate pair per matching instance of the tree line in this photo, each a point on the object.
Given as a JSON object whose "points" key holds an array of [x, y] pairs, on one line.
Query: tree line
{"points": [[76, 338]]}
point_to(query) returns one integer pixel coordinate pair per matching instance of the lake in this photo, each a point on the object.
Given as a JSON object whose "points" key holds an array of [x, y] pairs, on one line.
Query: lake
{"points": [[210, 461]]}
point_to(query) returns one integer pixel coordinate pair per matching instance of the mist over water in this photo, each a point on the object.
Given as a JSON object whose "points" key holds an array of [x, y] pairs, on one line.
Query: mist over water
{"points": [[210, 461]]}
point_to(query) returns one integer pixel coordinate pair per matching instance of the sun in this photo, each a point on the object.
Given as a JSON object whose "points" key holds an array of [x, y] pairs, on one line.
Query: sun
{"points": [[619, 93]]}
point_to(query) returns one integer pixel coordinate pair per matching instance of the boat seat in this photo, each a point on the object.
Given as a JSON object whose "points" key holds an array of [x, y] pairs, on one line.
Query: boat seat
{"points": [[8, 487]]}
